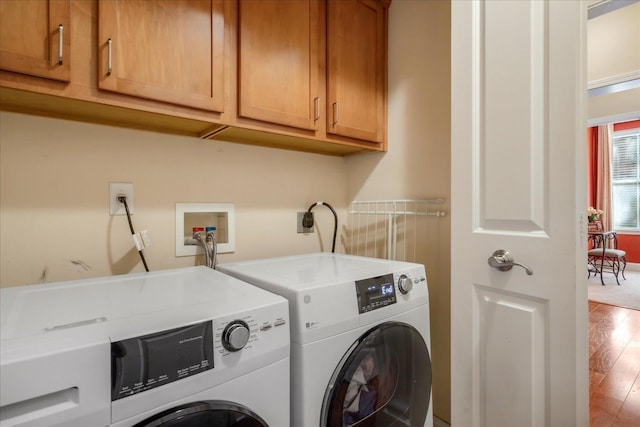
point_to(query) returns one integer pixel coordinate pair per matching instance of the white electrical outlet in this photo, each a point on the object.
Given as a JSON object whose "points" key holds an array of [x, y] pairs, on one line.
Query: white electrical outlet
{"points": [[116, 189]]}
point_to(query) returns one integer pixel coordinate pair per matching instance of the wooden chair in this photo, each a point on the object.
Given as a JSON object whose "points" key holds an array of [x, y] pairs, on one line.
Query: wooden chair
{"points": [[605, 256]]}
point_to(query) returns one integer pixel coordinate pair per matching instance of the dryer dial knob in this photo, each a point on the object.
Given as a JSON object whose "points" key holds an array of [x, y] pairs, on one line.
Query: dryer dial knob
{"points": [[235, 335], [405, 284]]}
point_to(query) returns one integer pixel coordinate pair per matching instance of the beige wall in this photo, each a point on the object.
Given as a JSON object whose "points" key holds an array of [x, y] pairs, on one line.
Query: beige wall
{"points": [[54, 197], [417, 165], [614, 107], [613, 43], [613, 49]]}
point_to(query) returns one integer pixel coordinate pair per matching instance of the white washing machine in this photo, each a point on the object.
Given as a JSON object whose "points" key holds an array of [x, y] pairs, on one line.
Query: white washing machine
{"points": [[360, 338], [184, 347]]}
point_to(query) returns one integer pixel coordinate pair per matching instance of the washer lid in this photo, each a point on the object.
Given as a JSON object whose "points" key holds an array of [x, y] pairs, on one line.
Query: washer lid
{"points": [[133, 304], [309, 271]]}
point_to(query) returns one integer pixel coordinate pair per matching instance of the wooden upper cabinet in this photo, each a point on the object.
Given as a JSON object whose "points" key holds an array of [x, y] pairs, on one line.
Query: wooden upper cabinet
{"points": [[278, 61], [165, 50], [301, 74], [356, 69], [34, 38]]}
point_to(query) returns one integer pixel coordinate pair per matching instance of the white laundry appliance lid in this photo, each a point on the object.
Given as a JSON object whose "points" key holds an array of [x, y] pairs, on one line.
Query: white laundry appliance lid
{"points": [[178, 295], [300, 272], [124, 306]]}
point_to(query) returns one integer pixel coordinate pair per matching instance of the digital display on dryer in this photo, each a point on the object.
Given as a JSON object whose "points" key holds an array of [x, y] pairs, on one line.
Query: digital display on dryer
{"points": [[375, 292]]}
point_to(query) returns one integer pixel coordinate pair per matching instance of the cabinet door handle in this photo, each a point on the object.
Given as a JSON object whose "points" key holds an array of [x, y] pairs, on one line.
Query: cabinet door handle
{"points": [[335, 113], [316, 115], [60, 42], [109, 68]]}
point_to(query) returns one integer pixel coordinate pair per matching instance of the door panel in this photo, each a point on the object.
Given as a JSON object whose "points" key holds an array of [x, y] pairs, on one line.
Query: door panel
{"points": [[278, 61], [521, 138], [519, 341], [165, 50], [516, 350], [355, 83], [35, 38]]}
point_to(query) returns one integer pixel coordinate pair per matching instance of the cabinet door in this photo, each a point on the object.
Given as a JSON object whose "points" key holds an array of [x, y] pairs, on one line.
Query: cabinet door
{"points": [[278, 61], [34, 38], [166, 50], [356, 69]]}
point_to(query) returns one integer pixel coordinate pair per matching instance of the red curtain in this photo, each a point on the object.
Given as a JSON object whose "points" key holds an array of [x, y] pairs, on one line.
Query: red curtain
{"points": [[592, 165]]}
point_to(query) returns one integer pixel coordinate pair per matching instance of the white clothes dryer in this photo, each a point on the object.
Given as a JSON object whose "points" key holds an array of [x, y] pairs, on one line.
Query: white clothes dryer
{"points": [[360, 338], [184, 347]]}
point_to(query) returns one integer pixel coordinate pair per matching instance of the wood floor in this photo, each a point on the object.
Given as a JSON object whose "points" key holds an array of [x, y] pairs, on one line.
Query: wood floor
{"points": [[614, 365]]}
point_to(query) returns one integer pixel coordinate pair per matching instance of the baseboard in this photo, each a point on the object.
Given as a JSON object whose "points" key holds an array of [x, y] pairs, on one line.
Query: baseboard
{"points": [[633, 266]]}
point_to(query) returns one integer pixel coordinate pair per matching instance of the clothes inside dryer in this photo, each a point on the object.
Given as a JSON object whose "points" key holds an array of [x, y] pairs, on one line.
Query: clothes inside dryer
{"points": [[384, 379]]}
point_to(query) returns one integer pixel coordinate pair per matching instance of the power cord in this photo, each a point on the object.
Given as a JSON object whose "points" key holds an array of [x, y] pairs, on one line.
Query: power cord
{"points": [[123, 200], [307, 220]]}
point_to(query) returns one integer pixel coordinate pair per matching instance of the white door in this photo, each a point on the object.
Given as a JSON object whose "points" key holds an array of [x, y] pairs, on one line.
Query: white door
{"points": [[519, 341]]}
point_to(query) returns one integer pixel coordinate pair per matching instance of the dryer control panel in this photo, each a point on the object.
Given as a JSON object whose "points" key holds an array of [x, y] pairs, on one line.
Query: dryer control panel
{"points": [[375, 292]]}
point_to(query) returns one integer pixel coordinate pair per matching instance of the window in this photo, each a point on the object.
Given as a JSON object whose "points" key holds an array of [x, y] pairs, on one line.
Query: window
{"points": [[625, 180]]}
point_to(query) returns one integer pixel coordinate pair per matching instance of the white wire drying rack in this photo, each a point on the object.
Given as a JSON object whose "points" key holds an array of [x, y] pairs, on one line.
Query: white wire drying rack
{"points": [[391, 229]]}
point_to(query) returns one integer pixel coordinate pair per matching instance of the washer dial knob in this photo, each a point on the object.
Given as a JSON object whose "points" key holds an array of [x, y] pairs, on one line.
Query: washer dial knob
{"points": [[405, 284], [235, 335]]}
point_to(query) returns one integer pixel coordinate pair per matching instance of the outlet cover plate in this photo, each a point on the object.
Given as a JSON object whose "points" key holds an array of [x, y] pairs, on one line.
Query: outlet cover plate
{"points": [[301, 228], [220, 215], [115, 189]]}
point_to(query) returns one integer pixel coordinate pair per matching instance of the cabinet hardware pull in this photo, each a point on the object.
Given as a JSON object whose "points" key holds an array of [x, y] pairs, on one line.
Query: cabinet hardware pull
{"points": [[335, 113], [60, 42], [109, 43], [316, 115]]}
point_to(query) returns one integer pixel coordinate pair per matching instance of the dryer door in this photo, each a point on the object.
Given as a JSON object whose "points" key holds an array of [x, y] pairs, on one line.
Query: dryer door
{"points": [[205, 414], [384, 379]]}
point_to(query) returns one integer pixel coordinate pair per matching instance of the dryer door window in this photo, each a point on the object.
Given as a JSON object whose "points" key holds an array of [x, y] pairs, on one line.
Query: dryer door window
{"points": [[384, 379], [205, 414]]}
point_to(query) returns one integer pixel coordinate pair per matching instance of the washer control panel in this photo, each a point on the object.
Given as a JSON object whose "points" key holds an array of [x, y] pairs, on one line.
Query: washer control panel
{"points": [[245, 332], [142, 363], [149, 361], [235, 335]]}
